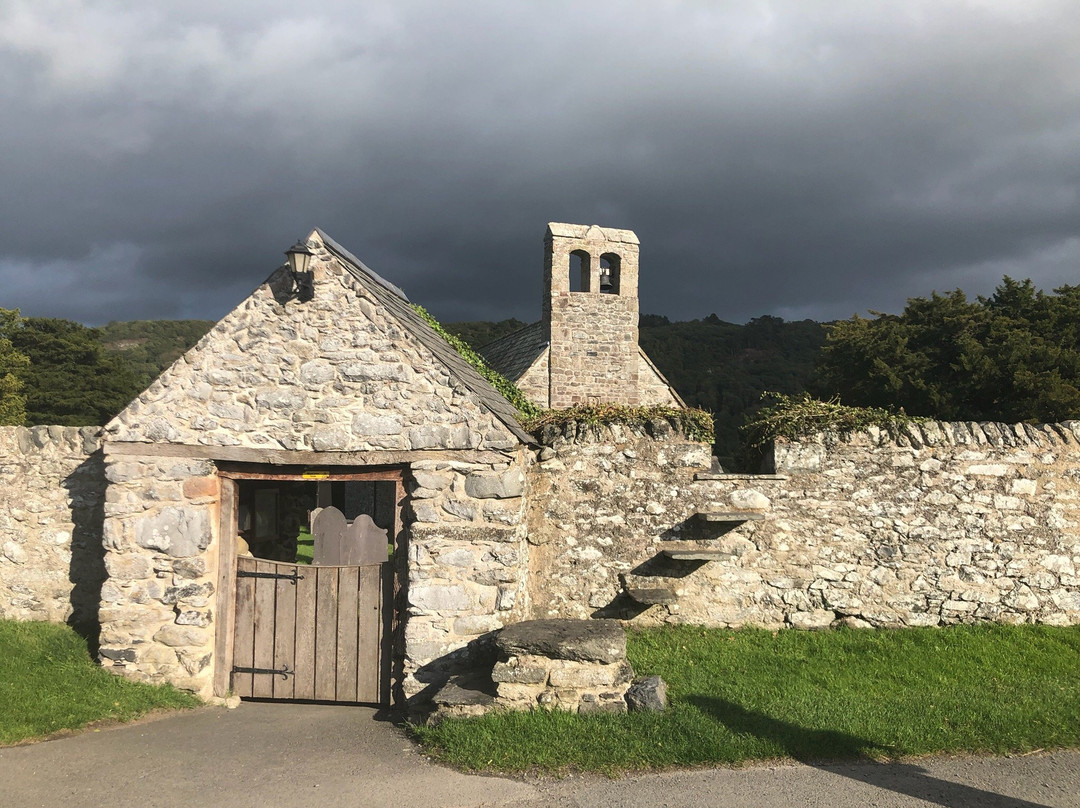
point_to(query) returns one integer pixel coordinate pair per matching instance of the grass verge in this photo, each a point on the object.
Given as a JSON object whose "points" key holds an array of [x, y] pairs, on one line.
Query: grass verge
{"points": [[749, 695], [49, 683]]}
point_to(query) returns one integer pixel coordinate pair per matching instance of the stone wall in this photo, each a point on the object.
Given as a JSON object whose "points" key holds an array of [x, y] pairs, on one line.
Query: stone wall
{"points": [[51, 494], [652, 387], [943, 524], [159, 604], [467, 561], [535, 382]]}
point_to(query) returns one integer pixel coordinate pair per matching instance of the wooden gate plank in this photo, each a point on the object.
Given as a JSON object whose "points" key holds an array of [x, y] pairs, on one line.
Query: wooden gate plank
{"points": [[304, 654], [262, 686], [244, 621], [326, 609], [347, 632], [369, 603], [285, 631]]}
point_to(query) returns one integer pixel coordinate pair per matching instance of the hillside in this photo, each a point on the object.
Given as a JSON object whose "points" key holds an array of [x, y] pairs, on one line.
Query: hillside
{"points": [[147, 347]]}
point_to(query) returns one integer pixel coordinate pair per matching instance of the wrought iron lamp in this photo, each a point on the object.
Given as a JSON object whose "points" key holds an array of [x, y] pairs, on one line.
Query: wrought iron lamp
{"points": [[303, 279]]}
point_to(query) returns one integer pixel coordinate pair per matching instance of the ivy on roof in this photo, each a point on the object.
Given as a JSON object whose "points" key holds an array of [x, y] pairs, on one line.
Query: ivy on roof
{"points": [[510, 391]]}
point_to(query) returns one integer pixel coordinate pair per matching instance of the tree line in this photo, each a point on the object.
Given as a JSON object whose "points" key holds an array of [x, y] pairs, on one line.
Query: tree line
{"points": [[1012, 356]]}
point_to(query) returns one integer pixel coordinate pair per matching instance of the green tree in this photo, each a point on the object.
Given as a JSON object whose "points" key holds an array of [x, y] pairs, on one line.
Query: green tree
{"points": [[1014, 356], [13, 365], [70, 380]]}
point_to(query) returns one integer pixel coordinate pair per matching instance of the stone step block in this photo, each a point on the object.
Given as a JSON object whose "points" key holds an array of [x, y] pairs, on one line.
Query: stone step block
{"points": [[652, 596], [728, 517], [697, 554]]}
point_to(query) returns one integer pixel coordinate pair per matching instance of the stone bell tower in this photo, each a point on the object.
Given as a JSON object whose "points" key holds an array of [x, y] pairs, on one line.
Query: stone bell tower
{"points": [[590, 314]]}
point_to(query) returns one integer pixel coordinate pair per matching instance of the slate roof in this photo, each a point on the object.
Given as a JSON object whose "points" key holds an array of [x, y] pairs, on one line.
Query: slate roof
{"points": [[515, 353], [395, 301]]}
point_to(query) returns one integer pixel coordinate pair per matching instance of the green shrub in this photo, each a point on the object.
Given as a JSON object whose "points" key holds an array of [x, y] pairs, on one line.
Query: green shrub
{"points": [[695, 424]]}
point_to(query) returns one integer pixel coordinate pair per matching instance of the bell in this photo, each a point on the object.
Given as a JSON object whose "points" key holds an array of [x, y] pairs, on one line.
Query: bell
{"points": [[605, 281]]}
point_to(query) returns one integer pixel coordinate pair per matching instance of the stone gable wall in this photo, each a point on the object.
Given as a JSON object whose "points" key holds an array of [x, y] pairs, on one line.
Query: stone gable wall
{"points": [[535, 382], [335, 373], [652, 389], [946, 523], [51, 494]]}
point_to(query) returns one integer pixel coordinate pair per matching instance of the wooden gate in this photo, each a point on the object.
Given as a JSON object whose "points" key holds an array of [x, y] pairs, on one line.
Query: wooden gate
{"points": [[312, 632]]}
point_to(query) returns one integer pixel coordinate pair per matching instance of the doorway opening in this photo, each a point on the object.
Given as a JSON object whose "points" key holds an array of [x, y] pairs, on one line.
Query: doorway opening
{"points": [[309, 567], [275, 518]]}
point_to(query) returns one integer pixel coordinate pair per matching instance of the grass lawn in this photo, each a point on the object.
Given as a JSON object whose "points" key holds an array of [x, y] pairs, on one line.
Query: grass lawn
{"points": [[752, 694], [305, 547], [48, 683]]}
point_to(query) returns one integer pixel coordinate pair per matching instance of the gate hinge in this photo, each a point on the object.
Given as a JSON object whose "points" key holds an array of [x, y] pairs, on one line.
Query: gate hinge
{"points": [[284, 672]]}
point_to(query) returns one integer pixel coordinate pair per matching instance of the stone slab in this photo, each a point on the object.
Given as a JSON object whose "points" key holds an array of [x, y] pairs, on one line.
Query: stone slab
{"points": [[653, 597], [577, 640], [729, 517]]}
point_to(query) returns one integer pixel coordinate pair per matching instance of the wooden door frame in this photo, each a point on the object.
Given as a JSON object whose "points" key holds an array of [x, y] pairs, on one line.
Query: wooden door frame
{"points": [[230, 474]]}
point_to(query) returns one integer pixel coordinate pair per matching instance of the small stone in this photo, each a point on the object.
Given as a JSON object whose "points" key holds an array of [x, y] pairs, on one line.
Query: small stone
{"points": [[180, 532], [329, 438], [174, 636], [749, 499], [440, 598], [366, 424], [196, 487], [510, 671], [510, 483], [14, 553], [812, 621], [232, 701], [647, 694]]}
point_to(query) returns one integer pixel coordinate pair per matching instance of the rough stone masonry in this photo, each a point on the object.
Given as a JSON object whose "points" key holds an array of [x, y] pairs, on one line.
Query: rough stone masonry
{"points": [[938, 524], [935, 525]]}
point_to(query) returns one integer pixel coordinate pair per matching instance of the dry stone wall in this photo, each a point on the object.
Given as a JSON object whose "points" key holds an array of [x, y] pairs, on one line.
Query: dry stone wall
{"points": [[51, 495], [945, 523]]}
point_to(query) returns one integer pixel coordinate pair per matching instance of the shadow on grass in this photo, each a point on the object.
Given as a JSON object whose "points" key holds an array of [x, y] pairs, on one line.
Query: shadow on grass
{"points": [[813, 747]]}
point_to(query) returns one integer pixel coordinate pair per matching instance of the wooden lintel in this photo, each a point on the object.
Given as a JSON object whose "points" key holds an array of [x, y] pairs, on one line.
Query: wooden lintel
{"points": [[290, 457], [248, 471]]}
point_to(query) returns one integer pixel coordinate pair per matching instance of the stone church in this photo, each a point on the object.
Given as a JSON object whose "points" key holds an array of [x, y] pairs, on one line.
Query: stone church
{"points": [[323, 501]]}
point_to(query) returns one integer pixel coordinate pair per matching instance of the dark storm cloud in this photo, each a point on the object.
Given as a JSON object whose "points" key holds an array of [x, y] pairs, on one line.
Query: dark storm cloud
{"points": [[807, 159]]}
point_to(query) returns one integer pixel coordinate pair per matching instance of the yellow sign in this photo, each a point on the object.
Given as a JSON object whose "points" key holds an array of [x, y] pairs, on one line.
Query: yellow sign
{"points": [[315, 475]]}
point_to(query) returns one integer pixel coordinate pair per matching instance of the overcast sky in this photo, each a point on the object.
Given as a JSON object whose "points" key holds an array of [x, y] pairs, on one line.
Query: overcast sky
{"points": [[807, 158]]}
